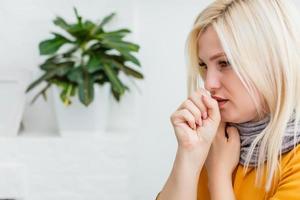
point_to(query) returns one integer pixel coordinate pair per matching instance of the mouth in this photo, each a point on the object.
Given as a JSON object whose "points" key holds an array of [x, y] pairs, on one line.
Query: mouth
{"points": [[221, 101]]}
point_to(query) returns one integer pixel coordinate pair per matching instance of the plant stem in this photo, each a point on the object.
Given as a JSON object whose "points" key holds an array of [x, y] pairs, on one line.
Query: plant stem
{"points": [[67, 100]]}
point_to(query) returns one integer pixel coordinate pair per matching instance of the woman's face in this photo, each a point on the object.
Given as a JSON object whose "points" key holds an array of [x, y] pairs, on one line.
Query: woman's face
{"points": [[221, 80]]}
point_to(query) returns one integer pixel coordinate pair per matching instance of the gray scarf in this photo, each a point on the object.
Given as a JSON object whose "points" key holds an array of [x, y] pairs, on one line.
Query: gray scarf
{"points": [[249, 130]]}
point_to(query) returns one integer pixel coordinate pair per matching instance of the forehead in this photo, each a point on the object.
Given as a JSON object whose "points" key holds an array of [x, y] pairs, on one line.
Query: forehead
{"points": [[208, 44]]}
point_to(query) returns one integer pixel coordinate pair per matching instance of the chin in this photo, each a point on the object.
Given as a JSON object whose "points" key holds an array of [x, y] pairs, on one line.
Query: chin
{"points": [[225, 117]]}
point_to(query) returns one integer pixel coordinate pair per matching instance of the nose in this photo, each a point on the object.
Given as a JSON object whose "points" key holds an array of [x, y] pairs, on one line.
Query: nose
{"points": [[212, 80]]}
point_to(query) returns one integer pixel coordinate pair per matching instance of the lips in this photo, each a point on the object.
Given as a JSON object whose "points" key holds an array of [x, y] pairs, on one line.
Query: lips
{"points": [[219, 99]]}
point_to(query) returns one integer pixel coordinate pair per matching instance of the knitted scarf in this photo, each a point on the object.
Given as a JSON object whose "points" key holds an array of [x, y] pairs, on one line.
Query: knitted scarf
{"points": [[250, 130]]}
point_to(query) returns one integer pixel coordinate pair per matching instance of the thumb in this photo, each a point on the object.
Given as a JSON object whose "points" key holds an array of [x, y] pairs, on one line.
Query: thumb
{"points": [[212, 107], [233, 133]]}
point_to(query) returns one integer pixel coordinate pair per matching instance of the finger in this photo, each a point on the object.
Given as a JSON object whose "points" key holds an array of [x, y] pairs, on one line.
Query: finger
{"points": [[204, 91], [187, 116], [212, 107], [188, 104], [196, 99]]}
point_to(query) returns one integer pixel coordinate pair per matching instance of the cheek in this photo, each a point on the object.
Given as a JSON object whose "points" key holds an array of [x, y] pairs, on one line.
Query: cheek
{"points": [[238, 111], [240, 108]]}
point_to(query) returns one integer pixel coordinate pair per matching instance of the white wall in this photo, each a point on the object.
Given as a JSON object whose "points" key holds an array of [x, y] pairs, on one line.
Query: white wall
{"points": [[163, 30], [135, 158]]}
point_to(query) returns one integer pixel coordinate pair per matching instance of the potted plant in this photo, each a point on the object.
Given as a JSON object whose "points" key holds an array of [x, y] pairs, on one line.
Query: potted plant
{"points": [[84, 57]]}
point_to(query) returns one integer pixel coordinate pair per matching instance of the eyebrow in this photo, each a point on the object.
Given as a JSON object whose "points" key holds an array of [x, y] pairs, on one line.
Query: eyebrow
{"points": [[215, 56]]}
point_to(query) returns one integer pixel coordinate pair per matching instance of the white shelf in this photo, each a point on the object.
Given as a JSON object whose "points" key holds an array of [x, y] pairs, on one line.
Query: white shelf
{"points": [[88, 166]]}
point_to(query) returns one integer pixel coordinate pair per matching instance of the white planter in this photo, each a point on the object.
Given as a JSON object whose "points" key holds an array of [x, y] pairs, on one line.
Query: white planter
{"points": [[79, 120], [13, 83]]}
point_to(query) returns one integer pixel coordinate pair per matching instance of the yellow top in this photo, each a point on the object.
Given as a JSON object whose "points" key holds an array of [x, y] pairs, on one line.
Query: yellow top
{"points": [[285, 187]]}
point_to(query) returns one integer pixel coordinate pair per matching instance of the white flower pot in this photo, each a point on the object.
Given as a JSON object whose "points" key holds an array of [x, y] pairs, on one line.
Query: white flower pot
{"points": [[13, 83], [79, 120]]}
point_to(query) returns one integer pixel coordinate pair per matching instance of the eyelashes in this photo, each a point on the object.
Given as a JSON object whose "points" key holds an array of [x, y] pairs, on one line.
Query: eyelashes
{"points": [[221, 63], [202, 65]]}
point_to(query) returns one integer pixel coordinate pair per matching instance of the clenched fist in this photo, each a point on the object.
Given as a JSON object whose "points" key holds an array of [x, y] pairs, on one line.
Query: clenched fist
{"points": [[195, 124]]}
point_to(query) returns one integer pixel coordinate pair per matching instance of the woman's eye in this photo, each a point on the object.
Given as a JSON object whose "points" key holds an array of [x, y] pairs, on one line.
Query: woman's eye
{"points": [[202, 66], [224, 63]]}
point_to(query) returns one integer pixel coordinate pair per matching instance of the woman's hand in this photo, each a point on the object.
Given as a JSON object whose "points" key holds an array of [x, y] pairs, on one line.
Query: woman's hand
{"points": [[195, 123], [224, 154]]}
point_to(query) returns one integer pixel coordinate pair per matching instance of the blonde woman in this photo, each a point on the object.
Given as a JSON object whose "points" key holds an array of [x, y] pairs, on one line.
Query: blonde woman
{"points": [[238, 131]]}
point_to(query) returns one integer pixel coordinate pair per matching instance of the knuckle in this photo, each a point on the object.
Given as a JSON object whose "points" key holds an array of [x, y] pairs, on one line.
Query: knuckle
{"points": [[214, 101], [173, 115], [190, 98], [185, 111], [201, 91], [186, 103]]}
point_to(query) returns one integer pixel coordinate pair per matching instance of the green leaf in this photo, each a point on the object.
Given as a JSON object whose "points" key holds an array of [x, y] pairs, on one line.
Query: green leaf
{"points": [[89, 25], [130, 57], [120, 32], [106, 19], [63, 68], [79, 18], [60, 70], [116, 95], [51, 46], [116, 83], [42, 92], [51, 64], [121, 45], [60, 22], [125, 69], [94, 64], [75, 75], [71, 51], [113, 35], [86, 89], [124, 52], [132, 72], [78, 31], [97, 48], [44, 77], [47, 66]]}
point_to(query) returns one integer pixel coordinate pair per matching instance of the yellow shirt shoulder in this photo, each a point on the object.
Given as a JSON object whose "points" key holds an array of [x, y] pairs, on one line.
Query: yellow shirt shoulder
{"points": [[286, 185]]}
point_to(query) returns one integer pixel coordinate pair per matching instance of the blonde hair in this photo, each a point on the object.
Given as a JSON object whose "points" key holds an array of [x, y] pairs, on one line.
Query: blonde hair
{"points": [[261, 40]]}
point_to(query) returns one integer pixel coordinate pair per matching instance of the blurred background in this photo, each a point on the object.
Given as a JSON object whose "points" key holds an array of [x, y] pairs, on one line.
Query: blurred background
{"points": [[132, 157]]}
